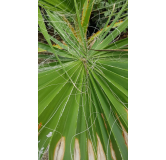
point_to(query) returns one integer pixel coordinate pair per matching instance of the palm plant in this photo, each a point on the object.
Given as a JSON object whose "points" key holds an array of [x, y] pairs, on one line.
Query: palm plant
{"points": [[83, 93]]}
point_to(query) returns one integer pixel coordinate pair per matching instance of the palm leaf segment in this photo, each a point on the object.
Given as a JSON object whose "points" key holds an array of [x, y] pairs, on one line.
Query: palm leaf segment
{"points": [[83, 94]]}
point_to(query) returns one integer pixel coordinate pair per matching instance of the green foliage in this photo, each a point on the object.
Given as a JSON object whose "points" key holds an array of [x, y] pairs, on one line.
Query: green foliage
{"points": [[83, 91], [102, 9]]}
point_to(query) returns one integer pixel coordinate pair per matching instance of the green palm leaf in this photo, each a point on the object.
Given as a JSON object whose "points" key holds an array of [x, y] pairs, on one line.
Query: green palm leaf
{"points": [[83, 91]]}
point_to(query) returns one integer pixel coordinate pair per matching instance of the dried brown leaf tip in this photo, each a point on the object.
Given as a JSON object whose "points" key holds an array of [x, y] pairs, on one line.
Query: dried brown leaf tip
{"points": [[39, 125], [59, 149], [112, 152], [45, 154], [90, 151], [100, 151], [104, 120], [124, 133], [77, 155]]}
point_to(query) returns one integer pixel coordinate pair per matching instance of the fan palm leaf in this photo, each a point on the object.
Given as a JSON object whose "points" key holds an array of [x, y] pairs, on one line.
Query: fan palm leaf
{"points": [[83, 93]]}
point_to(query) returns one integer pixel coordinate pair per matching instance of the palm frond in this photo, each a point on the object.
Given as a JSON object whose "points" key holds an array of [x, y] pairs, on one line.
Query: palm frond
{"points": [[83, 91]]}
